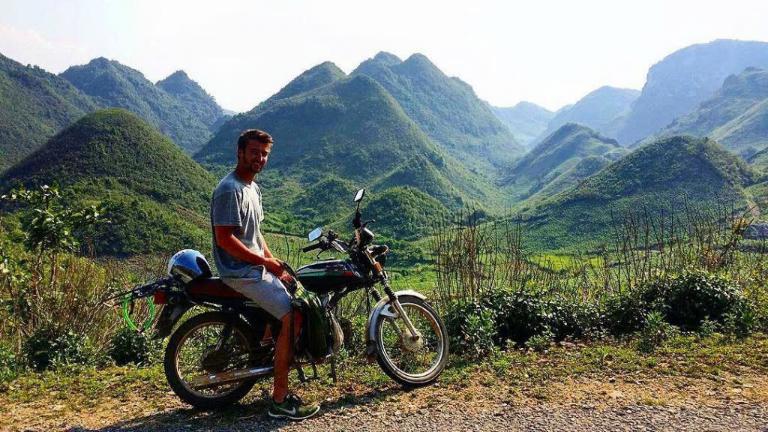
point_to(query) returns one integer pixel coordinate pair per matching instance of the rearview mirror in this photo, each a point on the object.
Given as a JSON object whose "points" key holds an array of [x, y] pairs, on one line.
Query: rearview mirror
{"points": [[360, 194], [315, 234]]}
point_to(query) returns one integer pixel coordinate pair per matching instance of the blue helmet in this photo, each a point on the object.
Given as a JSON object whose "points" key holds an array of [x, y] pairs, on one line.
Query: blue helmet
{"points": [[188, 265]]}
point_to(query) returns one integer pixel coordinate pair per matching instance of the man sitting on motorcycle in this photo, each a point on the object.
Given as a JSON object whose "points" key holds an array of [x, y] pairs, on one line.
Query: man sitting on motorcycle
{"points": [[246, 264]]}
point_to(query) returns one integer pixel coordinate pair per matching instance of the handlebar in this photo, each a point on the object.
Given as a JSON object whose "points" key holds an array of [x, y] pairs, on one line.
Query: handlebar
{"points": [[312, 247]]}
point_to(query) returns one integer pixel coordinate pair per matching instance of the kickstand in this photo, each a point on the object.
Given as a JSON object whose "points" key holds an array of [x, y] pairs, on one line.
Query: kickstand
{"points": [[333, 368], [300, 371]]}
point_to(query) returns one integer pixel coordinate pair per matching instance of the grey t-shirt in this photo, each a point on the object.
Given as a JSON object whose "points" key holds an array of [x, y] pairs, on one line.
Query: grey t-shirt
{"points": [[238, 204]]}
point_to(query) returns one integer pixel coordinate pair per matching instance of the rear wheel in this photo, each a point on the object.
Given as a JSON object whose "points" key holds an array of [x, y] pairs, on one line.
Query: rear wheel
{"points": [[197, 349], [411, 361]]}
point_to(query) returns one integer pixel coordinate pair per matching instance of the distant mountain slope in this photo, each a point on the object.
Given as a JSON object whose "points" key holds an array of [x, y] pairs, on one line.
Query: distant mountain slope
{"points": [[525, 120], [559, 158], [34, 105], [112, 84], [759, 160], [736, 116], [409, 212], [445, 108], [352, 131], [681, 81], [602, 110], [158, 197], [315, 77], [197, 101], [656, 176]]}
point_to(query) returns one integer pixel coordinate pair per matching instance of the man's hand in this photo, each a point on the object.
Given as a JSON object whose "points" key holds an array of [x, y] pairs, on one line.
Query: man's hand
{"points": [[274, 266]]}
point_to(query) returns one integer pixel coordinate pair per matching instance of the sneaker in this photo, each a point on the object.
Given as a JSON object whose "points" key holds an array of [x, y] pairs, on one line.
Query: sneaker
{"points": [[292, 408]]}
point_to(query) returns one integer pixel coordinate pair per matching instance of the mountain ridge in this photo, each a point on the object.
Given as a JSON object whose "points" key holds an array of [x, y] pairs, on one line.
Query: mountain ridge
{"points": [[113, 84]]}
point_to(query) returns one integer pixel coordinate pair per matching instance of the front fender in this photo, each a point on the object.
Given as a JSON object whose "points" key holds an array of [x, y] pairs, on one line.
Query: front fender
{"points": [[383, 307]]}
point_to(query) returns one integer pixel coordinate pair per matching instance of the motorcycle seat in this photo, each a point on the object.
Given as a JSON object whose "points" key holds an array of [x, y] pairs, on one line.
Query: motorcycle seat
{"points": [[213, 287]]}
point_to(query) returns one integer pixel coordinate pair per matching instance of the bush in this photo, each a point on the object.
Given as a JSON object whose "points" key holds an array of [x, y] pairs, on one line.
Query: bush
{"points": [[518, 315], [626, 312], [8, 364], [655, 332], [694, 296], [130, 346], [686, 300], [570, 319], [49, 348], [472, 328], [525, 318], [540, 342]]}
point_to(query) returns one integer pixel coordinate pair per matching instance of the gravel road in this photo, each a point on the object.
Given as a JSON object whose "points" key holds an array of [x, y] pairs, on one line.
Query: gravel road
{"points": [[459, 417]]}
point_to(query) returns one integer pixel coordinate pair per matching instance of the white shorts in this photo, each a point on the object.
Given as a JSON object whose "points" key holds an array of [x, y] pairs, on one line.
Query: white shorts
{"points": [[265, 289]]}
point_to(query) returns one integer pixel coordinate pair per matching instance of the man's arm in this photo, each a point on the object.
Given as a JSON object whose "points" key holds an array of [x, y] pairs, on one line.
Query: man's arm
{"points": [[267, 252], [225, 239]]}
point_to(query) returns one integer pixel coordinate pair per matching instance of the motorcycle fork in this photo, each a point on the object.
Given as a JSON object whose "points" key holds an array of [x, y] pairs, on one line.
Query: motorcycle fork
{"points": [[399, 312]]}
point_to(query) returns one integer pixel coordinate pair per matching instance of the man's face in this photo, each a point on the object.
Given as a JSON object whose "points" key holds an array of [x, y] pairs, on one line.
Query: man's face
{"points": [[254, 156]]}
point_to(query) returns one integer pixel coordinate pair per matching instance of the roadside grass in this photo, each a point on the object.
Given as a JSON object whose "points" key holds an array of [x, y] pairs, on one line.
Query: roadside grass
{"points": [[515, 373]]}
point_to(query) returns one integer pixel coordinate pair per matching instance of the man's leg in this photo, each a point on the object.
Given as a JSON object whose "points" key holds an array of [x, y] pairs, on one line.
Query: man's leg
{"points": [[270, 293], [284, 355]]}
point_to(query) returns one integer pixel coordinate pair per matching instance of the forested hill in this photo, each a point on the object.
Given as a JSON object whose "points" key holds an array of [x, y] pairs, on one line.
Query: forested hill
{"points": [[34, 105], [667, 173], [445, 108], [157, 197], [194, 98], [603, 110], [350, 133], [736, 115], [681, 81], [112, 84], [525, 120], [318, 76], [567, 156]]}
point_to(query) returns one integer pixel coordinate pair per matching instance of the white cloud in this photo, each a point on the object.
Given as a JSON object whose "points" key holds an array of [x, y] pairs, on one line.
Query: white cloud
{"points": [[28, 46]]}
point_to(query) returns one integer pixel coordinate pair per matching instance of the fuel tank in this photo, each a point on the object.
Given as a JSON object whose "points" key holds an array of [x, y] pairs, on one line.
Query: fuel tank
{"points": [[329, 275]]}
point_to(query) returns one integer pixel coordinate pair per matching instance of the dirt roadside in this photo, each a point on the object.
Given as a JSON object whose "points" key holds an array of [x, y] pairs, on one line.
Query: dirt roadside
{"points": [[672, 403]]}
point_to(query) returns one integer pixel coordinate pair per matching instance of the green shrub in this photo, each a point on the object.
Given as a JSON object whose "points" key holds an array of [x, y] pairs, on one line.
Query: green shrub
{"points": [[685, 300], [540, 342], [694, 296], [130, 346], [626, 312], [569, 319], [8, 364], [655, 332], [49, 348], [741, 320], [472, 328], [519, 315]]}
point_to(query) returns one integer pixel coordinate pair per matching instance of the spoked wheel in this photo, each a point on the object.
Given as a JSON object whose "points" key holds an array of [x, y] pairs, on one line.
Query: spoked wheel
{"points": [[412, 360], [199, 349]]}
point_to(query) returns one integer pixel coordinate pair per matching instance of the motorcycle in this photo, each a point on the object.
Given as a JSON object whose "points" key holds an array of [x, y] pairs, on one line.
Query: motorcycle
{"points": [[214, 358]]}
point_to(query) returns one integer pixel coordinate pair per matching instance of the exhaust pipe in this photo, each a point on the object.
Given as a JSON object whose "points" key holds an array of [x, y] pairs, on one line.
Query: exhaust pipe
{"points": [[211, 380]]}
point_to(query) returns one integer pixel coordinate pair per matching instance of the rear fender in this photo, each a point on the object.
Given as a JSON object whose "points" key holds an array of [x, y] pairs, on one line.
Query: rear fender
{"points": [[381, 311]]}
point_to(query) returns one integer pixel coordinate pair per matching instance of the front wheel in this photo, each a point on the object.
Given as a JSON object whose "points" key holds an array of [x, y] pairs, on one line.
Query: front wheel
{"points": [[411, 360]]}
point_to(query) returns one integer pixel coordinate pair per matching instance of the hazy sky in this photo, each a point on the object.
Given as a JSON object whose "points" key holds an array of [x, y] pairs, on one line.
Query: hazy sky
{"points": [[547, 52]]}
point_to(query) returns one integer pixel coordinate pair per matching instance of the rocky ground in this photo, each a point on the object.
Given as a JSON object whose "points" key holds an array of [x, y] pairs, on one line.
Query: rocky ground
{"points": [[671, 404], [692, 385]]}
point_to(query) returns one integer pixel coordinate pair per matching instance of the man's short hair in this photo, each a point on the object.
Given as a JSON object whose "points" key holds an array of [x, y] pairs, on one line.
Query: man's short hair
{"points": [[253, 135]]}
